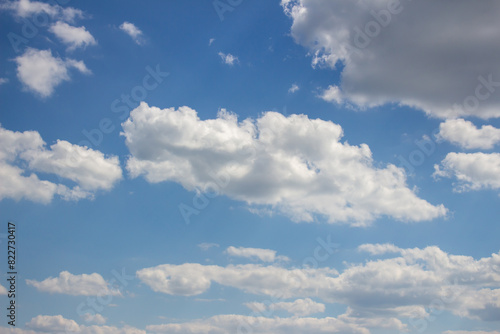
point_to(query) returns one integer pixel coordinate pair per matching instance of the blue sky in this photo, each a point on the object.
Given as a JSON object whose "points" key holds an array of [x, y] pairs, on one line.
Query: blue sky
{"points": [[308, 166]]}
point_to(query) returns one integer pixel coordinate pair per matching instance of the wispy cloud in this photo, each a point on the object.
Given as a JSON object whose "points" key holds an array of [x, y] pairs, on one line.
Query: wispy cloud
{"points": [[293, 89], [229, 59], [133, 32], [265, 255], [207, 245]]}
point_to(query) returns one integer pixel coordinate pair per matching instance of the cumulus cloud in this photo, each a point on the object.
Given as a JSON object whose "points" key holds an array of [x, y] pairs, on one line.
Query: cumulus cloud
{"points": [[265, 255], [226, 324], [229, 59], [293, 89], [473, 171], [52, 324], [43, 324], [40, 72], [379, 249], [74, 37], [404, 52], [466, 135], [75, 285], [332, 94], [191, 279], [292, 165], [379, 288], [299, 307], [27, 8], [134, 32], [91, 170], [95, 318]]}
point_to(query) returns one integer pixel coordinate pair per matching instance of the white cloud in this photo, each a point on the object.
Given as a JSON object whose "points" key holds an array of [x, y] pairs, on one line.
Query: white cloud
{"points": [[226, 324], [91, 170], [293, 89], [474, 171], [378, 249], [88, 168], [211, 41], [95, 318], [466, 135], [293, 165], [382, 288], [191, 279], [229, 59], [40, 72], [3, 81], [133, 32], [15, 185], [43, 324], [52, 324], [75, 285], [404, 52], [332, 94], [27, 8], [207, 245], [75, 37], [265, 255], [299, 307]]}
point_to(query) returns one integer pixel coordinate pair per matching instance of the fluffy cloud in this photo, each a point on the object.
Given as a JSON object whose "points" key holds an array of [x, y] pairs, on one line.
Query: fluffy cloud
{"points": [[406, 51], [134, 32], [74, 37], [27, 8], [293, 165], [474, 171], [41, 72], [379, 249], [191, 279], [265, 255], [382, 288], [52, 324], [465, 134], [332, 94], [89, 169], [299, 307], [75, 285], [226, 324], [43, 324], [95, 318], [229, 59]]}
